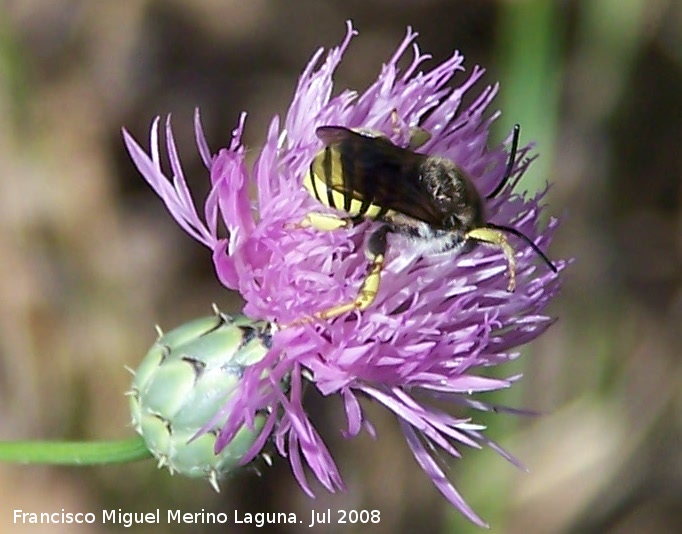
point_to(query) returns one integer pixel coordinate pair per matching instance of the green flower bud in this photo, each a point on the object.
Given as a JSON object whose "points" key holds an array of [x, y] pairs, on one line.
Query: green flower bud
{"points": [[185, 378]]}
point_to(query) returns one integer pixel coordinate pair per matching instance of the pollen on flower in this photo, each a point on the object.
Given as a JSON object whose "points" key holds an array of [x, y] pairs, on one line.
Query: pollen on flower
{"points": [[435, 323]]}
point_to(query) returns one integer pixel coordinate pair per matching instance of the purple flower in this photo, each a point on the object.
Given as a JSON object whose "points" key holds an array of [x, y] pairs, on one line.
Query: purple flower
{"points": [[437, 322]]}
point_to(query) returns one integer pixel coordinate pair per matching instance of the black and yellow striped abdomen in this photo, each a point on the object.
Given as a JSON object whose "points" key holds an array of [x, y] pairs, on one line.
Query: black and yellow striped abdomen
{"points": [[330, 179]]}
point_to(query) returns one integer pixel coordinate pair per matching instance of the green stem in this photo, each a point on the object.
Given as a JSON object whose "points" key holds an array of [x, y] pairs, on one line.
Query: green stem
{"points": [[74, 453]]}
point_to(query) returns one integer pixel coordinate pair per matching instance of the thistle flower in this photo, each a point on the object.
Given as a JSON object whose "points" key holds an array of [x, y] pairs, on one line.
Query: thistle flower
{"points": [[437, 322]]}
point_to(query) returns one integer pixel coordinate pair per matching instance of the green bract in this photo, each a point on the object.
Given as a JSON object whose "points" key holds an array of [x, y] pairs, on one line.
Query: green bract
{"points": [[187, 375]]}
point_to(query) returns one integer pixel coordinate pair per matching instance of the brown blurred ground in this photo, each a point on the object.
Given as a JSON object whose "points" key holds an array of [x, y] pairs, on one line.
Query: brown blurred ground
{"points": [[90, 261]]}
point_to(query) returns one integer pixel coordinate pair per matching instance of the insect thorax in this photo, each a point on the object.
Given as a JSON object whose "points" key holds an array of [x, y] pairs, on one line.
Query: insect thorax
{"points": [[454, 192], [423, 237]]}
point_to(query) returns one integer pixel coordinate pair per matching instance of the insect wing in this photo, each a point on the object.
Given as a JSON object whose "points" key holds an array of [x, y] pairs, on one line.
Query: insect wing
{"points": [[378, 172]]}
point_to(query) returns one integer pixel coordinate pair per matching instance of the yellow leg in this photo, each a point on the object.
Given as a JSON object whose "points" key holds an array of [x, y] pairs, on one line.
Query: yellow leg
{"points": [[325, 222], [418, 135], [494, 237], [376, 253], [366, 295]]}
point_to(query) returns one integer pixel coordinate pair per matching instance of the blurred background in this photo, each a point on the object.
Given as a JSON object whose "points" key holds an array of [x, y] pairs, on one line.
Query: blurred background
{"points": [[90, 261]]}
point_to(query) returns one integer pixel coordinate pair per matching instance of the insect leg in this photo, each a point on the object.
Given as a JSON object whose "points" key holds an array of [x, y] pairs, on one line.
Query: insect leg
{"points": [[494, 237], [325, 222], [376, 253], [418, 135]]}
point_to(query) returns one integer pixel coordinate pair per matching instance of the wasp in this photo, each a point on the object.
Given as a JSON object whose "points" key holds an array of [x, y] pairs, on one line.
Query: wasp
{"points": [[425, 197]]}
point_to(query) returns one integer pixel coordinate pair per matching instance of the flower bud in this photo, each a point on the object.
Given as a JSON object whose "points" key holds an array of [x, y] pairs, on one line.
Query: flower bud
{"points": [[185, 378]]}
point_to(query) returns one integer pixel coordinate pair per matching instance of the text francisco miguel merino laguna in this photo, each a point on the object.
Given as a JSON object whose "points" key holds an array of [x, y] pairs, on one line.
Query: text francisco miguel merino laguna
{"points": [[128, 519]]}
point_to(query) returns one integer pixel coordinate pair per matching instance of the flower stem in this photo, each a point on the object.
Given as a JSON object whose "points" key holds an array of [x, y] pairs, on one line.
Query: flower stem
{"points": [[74, 452]]}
